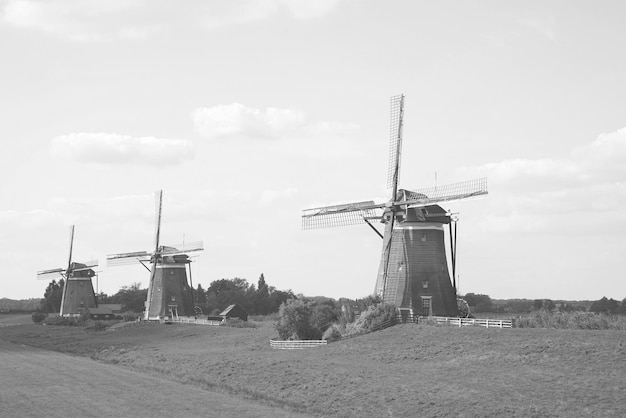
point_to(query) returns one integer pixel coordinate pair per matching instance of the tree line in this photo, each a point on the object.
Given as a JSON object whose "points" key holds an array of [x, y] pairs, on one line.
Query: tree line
{"points": [[483, 303], [259, 299]]}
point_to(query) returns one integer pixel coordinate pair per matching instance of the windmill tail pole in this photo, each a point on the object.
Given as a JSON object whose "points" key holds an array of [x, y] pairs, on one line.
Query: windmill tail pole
{"points": [[373, 228], [452, 256], [193, 302]]}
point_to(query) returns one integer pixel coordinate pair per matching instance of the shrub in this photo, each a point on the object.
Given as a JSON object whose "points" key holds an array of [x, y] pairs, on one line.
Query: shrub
{"points": [[129, 316], [571, 320], [56, 320], [294, 321], [38, 317], [238, 323], [334, 332]]}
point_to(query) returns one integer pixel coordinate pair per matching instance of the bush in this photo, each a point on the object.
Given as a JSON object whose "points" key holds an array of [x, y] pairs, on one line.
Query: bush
{"points": [[38, 317], [373, 318], [129, 316], [571, 320], [294, 321], [238, 323], [334, 332], [56, 320]]}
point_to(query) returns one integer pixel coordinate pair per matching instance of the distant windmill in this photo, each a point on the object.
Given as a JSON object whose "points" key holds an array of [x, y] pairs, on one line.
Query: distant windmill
{"points": [[413, 272], [169, 294], [78, 289]]}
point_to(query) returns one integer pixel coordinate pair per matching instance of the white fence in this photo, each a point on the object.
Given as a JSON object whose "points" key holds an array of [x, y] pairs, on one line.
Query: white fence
{"points": [[463, 322], [197, 321], [292, 345]]}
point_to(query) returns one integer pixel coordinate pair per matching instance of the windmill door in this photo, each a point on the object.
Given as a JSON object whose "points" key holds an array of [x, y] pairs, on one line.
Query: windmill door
{"points": [[173, 311], [427, 307]]}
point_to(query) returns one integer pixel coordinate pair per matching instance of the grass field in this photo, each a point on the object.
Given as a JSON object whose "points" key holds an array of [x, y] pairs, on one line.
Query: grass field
{"points": [[405, 370]]}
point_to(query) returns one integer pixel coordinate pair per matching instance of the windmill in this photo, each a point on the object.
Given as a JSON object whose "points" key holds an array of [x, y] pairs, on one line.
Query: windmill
{"points": [[413, 272], [78, 291], [169, 294]]}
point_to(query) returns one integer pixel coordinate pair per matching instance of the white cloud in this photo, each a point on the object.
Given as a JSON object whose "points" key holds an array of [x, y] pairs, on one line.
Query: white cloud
{"points": [[585, 191], [106, 148], [102, 20], [269, 196], [238, 120]]}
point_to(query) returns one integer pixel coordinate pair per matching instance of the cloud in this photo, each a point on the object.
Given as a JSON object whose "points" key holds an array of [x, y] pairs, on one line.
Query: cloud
{"points": [[285, 132], [238, 120], [269, 196], [83, 20], [104, 20], [106, 148], [584, 191]]}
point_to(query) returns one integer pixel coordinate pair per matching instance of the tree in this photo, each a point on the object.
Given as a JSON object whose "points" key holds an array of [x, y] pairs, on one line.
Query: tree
{"points": [[201, 298], [227, 292], [52, 297], [261, 303], [604, 305], [131, 297], [479, 303]]}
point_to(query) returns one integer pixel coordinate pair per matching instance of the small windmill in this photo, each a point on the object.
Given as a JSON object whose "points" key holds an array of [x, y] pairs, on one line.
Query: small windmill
{"points": [[78, 291], [413, 272], [169, 294]]}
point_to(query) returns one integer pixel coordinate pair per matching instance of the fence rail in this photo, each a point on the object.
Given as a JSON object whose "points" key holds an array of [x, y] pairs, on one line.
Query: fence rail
{"points": [[459, 322], [198, 321], [292, 345]]}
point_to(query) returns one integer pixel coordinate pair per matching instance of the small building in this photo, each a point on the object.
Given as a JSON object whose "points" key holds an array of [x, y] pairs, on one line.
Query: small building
{"points": [[234, 311], [116, 308], [101, 313]]}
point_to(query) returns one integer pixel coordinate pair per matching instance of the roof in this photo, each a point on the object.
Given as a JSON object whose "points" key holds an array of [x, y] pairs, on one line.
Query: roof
{"points": [[228, 310], [100, 311], [115, 307]]}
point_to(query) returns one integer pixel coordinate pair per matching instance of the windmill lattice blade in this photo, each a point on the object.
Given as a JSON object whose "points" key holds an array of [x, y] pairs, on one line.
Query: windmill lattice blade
{"points": [[395, 145], [69, 261], [127, 261], [159, 207], [127, 258], [186, 247], [339, 215], [46, 274], [448, 193], [91, 263]]}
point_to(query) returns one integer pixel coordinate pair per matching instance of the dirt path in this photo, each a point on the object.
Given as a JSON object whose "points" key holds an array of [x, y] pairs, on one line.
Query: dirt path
{"points": [[36, 383]]}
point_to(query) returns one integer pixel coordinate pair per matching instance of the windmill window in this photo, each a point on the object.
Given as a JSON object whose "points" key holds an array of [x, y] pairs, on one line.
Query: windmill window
{"points": [[173, 298], [400, 265], [424, 236], [425, 284]]}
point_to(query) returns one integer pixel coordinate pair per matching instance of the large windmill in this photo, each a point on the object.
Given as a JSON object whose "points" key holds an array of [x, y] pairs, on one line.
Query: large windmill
{"points": [[78, 291], [413, 272], [169, 294]]}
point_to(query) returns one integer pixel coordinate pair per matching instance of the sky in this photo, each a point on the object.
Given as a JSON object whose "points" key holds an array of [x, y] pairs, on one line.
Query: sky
{"points": [[246, 112]]}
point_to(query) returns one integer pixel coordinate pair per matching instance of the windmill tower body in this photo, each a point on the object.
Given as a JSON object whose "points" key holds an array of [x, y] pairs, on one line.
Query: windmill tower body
{"points": [[169, 294], [417, 279], [413, 272], [78, 291]]}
